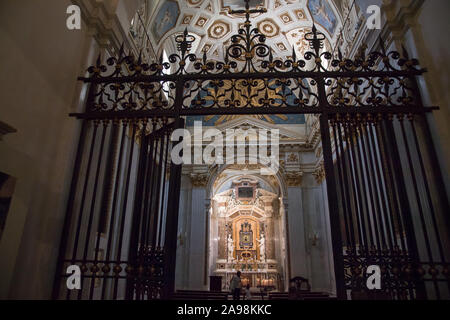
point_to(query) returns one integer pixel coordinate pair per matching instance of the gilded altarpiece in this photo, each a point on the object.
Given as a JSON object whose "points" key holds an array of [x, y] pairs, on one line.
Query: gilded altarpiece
{"points": [[246, 235]]}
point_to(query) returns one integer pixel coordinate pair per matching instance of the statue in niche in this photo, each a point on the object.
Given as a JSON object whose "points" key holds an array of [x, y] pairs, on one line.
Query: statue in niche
{"points": [[262, 247], [230, 247]]}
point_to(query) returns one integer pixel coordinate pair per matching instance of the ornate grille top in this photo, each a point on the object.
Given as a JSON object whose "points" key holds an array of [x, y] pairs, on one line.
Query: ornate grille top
{"points": [[248, 46]]}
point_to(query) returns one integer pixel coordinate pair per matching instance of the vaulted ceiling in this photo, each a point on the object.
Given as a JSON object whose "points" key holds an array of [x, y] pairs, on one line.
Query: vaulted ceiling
{"points": [[213, 23]]}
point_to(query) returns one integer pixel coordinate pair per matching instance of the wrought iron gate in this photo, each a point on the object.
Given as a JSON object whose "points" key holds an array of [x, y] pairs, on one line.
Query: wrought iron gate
{"points": [[386, 195], [119, 211]]}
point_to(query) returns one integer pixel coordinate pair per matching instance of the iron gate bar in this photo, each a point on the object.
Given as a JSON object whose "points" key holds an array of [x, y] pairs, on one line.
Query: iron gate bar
{"points": [[136, 217], [368, 173], [118, 171], [405, 212], [256, 110], [254, 75], [172, 223], [342, 174], [91, 211]]}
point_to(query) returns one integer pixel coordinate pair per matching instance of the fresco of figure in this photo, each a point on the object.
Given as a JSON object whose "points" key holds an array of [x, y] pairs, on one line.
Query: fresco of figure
{"points": [[164, 22], [165, 19], [323, 14]]}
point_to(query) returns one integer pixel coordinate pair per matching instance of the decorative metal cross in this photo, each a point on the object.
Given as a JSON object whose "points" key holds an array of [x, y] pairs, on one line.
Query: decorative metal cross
{"points": [[248, 11]]}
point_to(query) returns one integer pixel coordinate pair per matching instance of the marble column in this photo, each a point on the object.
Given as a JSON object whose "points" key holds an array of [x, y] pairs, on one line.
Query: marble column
{"points": [[296, 229], [198, 234], [183, 234], [318, 234], [284, 254]]}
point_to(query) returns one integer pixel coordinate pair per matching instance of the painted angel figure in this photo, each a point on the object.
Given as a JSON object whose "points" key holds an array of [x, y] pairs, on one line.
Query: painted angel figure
{"points": [[321, 10], [167, 18], [262, 247]]}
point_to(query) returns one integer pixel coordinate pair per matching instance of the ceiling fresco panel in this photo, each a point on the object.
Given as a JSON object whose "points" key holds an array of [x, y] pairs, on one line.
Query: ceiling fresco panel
{"points": [[323, 14], [165, 19]]}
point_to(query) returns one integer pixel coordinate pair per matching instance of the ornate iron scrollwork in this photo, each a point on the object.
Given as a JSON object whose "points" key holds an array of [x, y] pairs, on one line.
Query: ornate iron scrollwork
{"points": [[250, 77]]}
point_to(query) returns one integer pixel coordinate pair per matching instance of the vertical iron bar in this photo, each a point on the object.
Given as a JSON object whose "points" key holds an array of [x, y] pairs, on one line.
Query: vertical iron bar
{"points": [[392, 193], [91, 213], [333, 207], [124, 209], [341, 186], [346, 177], [419, 202], [431, 148], [83, 197], [387, 227], [150, 199], [404, 201], [163, 195], [372, 191], [360, 173], [69, 211], [157, 218], [358, 207], [137, 272], [430, 202], [170, 242], [121, 155]]}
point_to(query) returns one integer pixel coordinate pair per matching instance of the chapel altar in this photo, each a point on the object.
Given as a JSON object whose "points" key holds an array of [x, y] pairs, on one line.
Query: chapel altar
{"points": [[246, 222]]}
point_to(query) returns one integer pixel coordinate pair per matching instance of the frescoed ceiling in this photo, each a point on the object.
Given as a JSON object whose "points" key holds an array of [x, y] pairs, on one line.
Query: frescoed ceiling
{"points": [[214, 24]]}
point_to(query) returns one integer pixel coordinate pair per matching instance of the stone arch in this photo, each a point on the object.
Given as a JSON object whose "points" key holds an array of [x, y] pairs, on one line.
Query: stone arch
{"points": [[216, 170]]}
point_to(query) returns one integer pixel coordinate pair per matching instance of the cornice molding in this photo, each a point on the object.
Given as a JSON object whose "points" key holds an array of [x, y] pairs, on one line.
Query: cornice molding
{"points": [[103, 25], [400, 18]]}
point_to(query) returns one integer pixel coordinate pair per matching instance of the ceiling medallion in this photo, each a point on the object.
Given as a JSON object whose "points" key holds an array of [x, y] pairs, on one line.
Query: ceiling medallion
{"points": [[201, 22], [219, 29], [187, 18], [268, 28], [281, 46], [300, 14], [285, 18]]}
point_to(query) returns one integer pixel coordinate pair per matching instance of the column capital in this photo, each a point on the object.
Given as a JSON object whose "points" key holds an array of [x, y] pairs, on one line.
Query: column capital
{"points": [[293, 179], [199, 180], [319, 173]]}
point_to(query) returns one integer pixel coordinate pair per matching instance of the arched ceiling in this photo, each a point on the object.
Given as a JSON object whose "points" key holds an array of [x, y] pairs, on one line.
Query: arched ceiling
{"points": [[211, 21]]}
